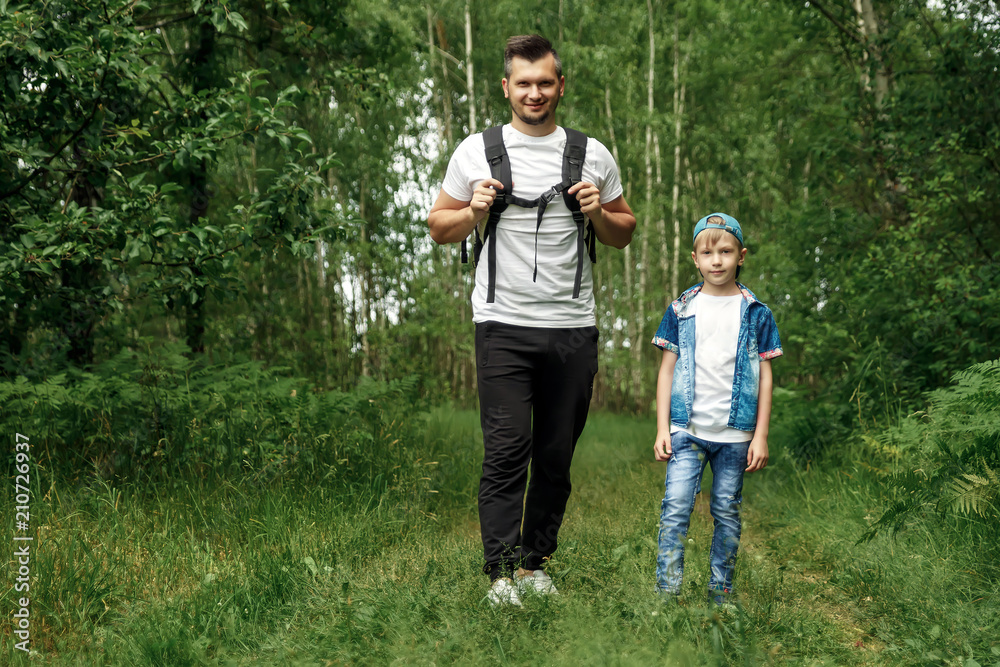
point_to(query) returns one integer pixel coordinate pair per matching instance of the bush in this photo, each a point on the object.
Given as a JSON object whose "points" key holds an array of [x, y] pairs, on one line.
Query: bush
{"points": [[950, 455], [156, 412]]}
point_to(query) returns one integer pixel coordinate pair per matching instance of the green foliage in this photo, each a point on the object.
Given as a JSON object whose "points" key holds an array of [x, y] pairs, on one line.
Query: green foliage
{"points": [[165, 171], [107, 157], [950, 454], [813, 430], [898, 259], [152, 413]]}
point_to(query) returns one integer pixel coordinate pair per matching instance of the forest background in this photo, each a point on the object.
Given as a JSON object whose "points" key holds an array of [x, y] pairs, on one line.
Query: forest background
{"points": [[214, 262]]}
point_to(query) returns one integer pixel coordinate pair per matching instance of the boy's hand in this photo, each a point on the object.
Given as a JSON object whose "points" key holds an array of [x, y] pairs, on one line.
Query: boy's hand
{"points": [[757, 454], [661, 448]]}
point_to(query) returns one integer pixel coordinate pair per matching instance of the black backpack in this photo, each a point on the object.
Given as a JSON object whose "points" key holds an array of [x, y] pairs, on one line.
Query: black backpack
{"points": [[572, 173]]}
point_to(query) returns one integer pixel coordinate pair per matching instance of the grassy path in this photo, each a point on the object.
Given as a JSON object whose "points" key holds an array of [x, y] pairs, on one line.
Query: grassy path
{"points": [[808, 594], [240, 575]]}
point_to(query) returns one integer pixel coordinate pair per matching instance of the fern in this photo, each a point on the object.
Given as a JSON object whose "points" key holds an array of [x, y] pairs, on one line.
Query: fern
{"points": [[976, 494], [154, 411], [957, 439]]}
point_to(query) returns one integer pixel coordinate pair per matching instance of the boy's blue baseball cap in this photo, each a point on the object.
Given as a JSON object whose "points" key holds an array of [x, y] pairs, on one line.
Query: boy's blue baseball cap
{"points": [[728, 223]]}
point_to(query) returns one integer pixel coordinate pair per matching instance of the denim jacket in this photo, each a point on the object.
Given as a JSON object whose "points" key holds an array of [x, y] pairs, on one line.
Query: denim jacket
{"points": [[758, 339]]}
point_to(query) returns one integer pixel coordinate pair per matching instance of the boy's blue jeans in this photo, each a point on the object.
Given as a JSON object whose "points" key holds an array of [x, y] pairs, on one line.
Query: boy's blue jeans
{"points": [[684, 470]]}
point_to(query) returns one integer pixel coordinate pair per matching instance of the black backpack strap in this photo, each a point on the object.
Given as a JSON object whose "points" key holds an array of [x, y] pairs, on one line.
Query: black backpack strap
{"points": [[496, 155], [542, 203], [574, 155], [572, 173]]}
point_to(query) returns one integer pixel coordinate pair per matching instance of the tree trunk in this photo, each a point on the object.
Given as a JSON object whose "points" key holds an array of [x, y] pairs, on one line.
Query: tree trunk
{"points": [[364, 272], [440, 256], [869, 28], [561, 14], [630, 332], [80, 319], [200, 196], [445, 92], [339, 333], [435, 91], [648, 227], [661, 220], [805, 180], [679, 91], [469, 78], [685, 201]]}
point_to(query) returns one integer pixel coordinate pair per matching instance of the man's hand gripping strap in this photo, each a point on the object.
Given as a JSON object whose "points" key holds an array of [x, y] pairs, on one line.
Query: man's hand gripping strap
{"points": [[572, 173], [496, 155]]}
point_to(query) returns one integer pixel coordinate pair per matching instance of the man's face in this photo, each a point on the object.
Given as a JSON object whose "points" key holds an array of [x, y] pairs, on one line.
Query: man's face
{"points": [[534, 90]]}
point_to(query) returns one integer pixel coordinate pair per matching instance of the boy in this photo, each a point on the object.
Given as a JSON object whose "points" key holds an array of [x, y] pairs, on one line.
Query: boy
{"points": [[713, 401]]}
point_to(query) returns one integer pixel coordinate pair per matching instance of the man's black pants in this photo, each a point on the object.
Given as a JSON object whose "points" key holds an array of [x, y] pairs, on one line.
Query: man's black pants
{"points": [[535, 387]]}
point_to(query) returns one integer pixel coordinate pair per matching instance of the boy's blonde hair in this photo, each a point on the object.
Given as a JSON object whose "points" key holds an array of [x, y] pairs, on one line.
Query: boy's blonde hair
{"points": [[713, 235]]}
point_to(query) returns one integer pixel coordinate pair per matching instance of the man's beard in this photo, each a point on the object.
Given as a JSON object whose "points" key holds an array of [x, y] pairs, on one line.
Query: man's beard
{"points": [[540, 119]]}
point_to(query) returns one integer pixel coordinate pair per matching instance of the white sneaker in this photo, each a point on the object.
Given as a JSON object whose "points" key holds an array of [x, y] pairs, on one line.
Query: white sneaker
{"points": [[503, 592], [537, 582]]}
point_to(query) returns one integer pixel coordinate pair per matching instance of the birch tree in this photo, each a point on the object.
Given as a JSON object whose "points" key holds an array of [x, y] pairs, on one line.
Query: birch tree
{"points": [[679, 94]]}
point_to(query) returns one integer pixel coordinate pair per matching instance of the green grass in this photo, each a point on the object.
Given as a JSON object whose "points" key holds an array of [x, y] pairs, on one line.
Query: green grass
{"points": [[239, 573]]}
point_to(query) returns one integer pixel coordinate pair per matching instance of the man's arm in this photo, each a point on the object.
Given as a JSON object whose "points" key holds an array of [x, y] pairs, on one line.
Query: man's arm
{"points": [[452, 220], [613, 222], [757, 454]]}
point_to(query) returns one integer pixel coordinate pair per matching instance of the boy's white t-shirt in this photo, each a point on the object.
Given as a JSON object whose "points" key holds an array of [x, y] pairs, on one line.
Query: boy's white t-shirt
{"points": [[535, 165], [717, 332]]}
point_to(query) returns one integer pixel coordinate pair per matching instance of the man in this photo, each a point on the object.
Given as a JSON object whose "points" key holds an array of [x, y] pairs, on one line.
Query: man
{"points": [[536, 344]]}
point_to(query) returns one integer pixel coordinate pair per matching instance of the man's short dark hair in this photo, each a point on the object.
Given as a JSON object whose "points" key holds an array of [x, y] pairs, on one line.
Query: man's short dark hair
{"points": [[531, 48]]}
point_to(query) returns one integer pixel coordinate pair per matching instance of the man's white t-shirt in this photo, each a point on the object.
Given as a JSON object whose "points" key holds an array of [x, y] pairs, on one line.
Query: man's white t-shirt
{"points": [[716, 335], [535, 165]]}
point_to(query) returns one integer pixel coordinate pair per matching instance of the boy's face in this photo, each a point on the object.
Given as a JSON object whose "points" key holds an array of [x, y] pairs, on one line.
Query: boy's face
{"points": [[717, 264]]}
